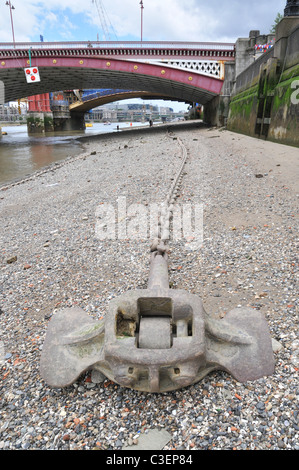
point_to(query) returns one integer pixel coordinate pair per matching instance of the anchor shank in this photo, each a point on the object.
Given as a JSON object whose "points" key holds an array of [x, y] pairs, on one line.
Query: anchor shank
{"points": [[158, 276]]}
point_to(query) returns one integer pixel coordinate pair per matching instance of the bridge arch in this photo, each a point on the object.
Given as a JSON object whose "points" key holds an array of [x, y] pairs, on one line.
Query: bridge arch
{"points": [[84, 72], [89, 104]]}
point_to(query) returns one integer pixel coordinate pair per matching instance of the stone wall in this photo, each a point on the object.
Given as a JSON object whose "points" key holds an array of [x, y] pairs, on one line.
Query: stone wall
{"points": [[265, 100], [284, 126], [217, 110]]}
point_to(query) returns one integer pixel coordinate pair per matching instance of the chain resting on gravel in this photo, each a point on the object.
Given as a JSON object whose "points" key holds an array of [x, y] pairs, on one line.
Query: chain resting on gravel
{"points": [[163, 230]]}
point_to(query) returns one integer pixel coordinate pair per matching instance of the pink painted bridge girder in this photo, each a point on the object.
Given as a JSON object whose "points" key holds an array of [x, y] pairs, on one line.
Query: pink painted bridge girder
{"points": [[67, 73]]}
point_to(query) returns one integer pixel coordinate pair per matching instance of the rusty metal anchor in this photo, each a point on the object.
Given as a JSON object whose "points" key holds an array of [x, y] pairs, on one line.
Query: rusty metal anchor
{"points": [[156, 340]]}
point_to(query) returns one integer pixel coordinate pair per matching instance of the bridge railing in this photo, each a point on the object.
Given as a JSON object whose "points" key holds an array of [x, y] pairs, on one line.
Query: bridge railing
{"points": [[119, 45]]}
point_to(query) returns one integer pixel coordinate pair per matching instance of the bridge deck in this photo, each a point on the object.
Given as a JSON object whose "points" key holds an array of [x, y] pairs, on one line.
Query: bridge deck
{"points": [[191, 72], [131, 49]]}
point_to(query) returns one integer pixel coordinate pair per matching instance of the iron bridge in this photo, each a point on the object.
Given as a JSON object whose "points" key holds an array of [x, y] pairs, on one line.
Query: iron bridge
{"points": [[191, 72]]}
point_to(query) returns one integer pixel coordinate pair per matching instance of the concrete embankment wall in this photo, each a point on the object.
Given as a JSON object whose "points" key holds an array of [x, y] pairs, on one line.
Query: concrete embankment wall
{"points": [[265, 102]]}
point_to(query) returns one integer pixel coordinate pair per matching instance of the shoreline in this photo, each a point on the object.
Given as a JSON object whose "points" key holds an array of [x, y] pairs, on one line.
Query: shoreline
{"points": [[135, 131], [186, 125]]}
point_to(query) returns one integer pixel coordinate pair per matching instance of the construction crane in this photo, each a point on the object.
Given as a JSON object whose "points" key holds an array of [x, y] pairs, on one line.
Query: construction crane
{"points": [[104, 20]]}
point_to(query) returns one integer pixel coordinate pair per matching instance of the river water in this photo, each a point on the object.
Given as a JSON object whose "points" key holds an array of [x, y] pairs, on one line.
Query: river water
{"points": [[21, 155]]}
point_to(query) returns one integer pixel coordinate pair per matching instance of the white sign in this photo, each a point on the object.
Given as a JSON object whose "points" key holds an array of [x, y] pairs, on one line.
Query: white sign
{"points": [[32, 74]]}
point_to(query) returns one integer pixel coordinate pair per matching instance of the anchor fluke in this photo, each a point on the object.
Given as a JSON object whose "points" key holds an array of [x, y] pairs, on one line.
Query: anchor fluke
{"points": [[156, 340]]}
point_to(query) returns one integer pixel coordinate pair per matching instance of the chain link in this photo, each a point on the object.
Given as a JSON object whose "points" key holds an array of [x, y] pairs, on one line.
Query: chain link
{"points": [[163, 230]]}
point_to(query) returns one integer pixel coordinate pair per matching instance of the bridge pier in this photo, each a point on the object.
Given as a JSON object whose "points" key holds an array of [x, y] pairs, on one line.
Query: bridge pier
{"points": [[39, 122], [40, 116], [35, 123], [45, 116], [74, 122], [44, 123], [216, 111]]}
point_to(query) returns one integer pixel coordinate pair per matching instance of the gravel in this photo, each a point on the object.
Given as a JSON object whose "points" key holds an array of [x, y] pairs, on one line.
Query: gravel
{"points": [[51, 258]]}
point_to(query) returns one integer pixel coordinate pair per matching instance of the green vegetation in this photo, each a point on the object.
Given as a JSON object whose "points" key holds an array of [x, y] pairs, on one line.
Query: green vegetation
{"points": [[242, 104], [278, 18], [291, 73], [283, 94]]}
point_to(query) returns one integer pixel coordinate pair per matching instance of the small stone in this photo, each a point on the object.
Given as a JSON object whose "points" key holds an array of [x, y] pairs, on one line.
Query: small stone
{"points": [[276, 346], [118, 443], [97, 377], [11, 260], [260, 405]]}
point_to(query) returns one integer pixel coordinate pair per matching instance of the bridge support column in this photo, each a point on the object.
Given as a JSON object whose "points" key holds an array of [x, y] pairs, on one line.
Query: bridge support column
{"points": [[212, 112], [217, 110], [39, 122], [40, 117], [49, 122], [35, 123], [75, 122]]}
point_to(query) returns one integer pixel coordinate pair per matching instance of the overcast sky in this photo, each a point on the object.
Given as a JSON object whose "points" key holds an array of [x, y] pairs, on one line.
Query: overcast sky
{"points": [[163, 20]]}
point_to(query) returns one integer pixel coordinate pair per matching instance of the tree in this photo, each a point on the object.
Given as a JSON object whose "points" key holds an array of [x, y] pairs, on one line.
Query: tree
{"points": [[278, 18]]}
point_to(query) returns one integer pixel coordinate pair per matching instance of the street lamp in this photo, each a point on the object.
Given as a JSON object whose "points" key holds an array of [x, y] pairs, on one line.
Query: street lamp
{"points": [[11, 7], [292, 8], [142, 8]]}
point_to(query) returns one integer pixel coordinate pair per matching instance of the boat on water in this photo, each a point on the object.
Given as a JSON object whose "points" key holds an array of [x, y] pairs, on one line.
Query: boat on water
{"points": [[88, 124]]}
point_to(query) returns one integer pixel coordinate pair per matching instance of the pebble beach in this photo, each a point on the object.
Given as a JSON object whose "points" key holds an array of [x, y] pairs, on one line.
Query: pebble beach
{"points": [[52, 258]]}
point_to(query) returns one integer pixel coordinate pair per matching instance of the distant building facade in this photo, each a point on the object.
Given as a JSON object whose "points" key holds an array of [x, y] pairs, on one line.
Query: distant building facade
{"points": [[12, 112]]}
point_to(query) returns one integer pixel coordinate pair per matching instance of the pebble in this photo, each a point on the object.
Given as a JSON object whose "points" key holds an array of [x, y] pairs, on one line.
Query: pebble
{"points": [[51, 228]]}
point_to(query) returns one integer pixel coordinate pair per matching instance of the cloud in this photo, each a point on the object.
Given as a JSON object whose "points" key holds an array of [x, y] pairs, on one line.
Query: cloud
{"points": [[193, 20], [167, 20], [51, 17]]}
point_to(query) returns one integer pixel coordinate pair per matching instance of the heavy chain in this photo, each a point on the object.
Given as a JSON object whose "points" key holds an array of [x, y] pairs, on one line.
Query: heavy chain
{"points": [[163, 230]]}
